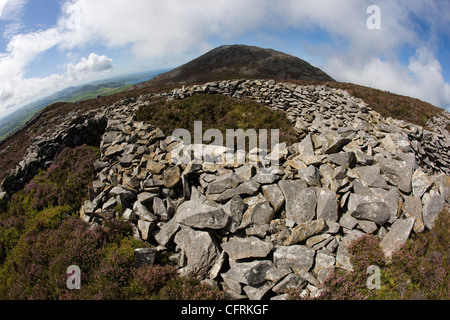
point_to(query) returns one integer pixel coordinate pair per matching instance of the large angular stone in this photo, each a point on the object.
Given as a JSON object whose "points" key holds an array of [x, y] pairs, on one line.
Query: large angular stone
{"points": [[144, 256], [172, 177], [155, 167], [420, 183], [145, 228], [167, 231], [262, 213], [413, 209], [114, 150], [250, 273], [395, 142], [370, 208], [311, 175], [235, 209], [306, 146], [297, 257], [274, 195], [327, 205], [300, 200], [399, 172], [344, 159], [251, 247], [343, 258], [201, 215], [292, 281], [377, 212], [337, 145], [304, 231], [201, 250], [372, 176], [226, 182], [143, 213], [397, 236], [259, 291], [431, 210]]}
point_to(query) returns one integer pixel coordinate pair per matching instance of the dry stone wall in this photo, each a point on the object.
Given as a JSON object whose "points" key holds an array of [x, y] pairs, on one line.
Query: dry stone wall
{"points": [[256, 235]]}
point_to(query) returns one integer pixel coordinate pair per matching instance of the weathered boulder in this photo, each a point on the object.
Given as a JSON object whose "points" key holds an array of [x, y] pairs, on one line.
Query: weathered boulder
{"points": [[397, 236], [296, 257], [200, 248], [327, 205], [201, 216], [432, 207], [274, 195], [251, 247], [300, 200]]}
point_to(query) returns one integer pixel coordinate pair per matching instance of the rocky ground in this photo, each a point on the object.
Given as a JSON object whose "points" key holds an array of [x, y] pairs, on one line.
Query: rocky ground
{"points": [[257, 234]]}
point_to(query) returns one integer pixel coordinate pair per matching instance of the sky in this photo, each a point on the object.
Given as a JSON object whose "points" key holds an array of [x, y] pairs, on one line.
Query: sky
{"points": [[400, 46]]}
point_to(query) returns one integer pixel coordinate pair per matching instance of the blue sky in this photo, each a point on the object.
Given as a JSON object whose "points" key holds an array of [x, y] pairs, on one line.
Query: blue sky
{"points": [[47, 45]]}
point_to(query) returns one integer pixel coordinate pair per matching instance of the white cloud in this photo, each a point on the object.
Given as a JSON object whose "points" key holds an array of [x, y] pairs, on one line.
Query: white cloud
{"points": [[93, 64], [9, 9], [167, 30]]}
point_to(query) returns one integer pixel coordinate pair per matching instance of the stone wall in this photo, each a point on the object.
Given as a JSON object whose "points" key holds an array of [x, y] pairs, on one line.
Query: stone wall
{"points": [[256, 235]]}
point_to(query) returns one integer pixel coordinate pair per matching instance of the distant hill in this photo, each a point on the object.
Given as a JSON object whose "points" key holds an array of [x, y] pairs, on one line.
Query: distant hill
{"points": [[241, 61], [92, 90]]}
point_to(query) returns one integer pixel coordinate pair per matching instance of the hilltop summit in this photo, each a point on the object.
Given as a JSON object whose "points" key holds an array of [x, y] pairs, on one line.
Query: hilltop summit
{"points": [[241, 61]]}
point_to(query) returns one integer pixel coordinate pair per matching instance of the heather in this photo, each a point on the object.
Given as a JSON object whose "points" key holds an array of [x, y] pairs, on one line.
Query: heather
{"points": [[65, 180], [40, 237]]}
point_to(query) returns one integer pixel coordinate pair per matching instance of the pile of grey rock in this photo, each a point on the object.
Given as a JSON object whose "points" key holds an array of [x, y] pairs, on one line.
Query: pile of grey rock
{"points": [[257, 234]]}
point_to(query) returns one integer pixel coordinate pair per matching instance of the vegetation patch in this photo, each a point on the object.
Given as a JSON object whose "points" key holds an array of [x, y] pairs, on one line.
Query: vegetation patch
{"points": [[40, 237], [216, 112]]}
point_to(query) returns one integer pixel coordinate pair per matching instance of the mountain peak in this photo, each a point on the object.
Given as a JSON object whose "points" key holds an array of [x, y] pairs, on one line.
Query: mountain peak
{"points": [[241, 61]]}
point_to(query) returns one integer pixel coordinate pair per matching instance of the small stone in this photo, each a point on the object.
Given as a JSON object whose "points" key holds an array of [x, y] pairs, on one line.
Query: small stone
{"points": [[304, 231], [292, 281], [145, 228]]}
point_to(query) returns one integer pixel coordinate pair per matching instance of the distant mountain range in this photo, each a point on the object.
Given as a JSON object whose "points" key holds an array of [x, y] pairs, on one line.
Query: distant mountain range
{"points": [[91, 90]]}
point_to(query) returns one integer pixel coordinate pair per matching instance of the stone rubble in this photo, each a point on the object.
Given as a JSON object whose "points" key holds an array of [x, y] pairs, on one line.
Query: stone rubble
{"points": [[258, 235]]}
